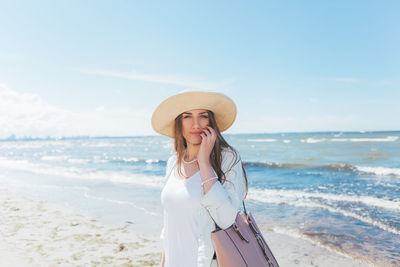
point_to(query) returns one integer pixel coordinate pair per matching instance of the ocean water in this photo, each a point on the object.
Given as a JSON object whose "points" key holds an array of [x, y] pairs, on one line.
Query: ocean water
{"points": [[337, 190]]}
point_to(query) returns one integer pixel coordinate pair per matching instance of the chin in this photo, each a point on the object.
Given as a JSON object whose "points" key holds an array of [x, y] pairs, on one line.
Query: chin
{"points": [[195, 141]]}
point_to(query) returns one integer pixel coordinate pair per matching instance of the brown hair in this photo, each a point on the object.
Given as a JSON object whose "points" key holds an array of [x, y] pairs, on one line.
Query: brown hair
{"points": [[215, 156]]}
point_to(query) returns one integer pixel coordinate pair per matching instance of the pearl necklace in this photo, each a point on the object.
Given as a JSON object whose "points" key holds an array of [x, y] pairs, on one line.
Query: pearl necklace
{"points": [[188, 162]]}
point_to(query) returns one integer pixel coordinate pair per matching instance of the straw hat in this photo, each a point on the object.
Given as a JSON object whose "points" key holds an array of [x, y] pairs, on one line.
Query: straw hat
{"points": [[164, 116]]}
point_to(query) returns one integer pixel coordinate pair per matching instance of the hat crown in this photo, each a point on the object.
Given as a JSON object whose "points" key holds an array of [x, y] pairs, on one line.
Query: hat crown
{"points": [[221, 105]]}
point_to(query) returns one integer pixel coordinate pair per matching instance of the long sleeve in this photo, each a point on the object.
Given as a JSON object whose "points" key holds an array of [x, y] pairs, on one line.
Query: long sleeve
{"points": [[223, 200]]}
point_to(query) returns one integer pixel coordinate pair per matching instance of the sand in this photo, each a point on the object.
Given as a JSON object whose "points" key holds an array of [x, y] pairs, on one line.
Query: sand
{"points": [[35, 233]]}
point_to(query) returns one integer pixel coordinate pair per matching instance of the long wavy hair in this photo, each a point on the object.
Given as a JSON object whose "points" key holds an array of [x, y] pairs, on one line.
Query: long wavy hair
{"points": [[215, 156]]}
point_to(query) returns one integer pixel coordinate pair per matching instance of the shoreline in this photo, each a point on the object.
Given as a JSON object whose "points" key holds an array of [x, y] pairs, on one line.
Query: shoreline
{"points": [[36, 233], [43, 234]]}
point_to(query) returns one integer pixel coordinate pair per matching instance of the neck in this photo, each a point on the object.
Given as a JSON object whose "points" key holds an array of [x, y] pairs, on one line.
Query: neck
{"points": [[191, 151]]}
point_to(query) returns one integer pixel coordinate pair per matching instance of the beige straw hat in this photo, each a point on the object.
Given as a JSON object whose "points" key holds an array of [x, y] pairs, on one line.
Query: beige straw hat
{"points": [[164, 116]]}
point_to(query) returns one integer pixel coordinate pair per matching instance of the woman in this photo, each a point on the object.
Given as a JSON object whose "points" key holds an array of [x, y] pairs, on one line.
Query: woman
{"points": [[206, 179]]}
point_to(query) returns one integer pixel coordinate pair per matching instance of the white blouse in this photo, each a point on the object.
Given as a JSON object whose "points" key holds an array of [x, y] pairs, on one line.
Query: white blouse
{"points": [[181, 202], [186, 235]]}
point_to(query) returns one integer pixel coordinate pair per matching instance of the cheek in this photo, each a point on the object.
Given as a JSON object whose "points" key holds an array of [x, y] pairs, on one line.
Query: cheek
{"points": [[205, 123], [185, 127]]}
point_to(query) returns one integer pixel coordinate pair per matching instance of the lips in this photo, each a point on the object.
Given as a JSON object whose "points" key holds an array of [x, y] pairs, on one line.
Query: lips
{"points": [[196, 133]]}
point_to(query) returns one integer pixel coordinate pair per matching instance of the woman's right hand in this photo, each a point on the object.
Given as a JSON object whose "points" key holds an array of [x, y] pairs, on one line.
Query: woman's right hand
{"points": [[208, 137]]}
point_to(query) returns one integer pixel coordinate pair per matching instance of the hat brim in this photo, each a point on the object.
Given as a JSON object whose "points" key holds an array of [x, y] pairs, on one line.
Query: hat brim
{"points": [[221, 105]]}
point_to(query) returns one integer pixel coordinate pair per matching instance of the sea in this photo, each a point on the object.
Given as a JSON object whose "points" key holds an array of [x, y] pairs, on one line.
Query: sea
{"points": [[338, 190]]}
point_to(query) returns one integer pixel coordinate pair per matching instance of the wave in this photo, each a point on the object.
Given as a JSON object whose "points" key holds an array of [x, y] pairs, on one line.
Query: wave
{"points": [[313, 140], [134, 159], [78, 161], [54, 158], [79, 173], [382, 139], [102, 144], [385, 139], [31, 144], [274, 165], [277, 196], [97, 159], [378, 170], [262, 140], [313, 200]]}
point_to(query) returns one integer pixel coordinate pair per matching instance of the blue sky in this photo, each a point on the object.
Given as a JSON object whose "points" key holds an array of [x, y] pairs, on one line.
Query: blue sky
{"points": [[101, 67]]}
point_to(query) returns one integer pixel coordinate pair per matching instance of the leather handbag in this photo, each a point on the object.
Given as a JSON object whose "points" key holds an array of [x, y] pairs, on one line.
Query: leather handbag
{"points": [[242, 244]]}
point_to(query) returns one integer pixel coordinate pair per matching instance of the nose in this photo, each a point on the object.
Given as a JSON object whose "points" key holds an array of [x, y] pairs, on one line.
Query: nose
{"points": [[196, 123]]}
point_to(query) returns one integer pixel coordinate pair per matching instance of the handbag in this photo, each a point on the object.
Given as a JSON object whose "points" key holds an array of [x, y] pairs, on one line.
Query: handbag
{"points": [[242, 244]]}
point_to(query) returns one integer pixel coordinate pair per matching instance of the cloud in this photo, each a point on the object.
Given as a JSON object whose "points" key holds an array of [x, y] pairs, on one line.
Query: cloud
{"points": [[28, 114], [184, 81], [23, 114]]}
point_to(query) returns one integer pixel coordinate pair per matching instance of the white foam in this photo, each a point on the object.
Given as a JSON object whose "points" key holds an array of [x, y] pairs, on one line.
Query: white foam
{"points": [[261, 140], [339, 140], [78, 173], [98, 159], [279, 196], [54, 158], [312, 140], [102, 144], [310, 200], [126, 159], [31, 144], [286, 141], [386, 139], [380, 171], [78, 161], [149, 161]]}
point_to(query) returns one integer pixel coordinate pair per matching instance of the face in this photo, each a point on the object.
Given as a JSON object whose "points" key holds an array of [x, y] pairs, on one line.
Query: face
{"points": [[193, 123]]}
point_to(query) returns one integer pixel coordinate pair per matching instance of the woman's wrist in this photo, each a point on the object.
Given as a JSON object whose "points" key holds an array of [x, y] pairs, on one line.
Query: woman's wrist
{"points": [[203, 162]]}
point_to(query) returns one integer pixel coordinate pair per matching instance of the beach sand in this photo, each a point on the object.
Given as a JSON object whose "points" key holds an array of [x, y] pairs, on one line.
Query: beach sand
{"points": [[35, 233]]}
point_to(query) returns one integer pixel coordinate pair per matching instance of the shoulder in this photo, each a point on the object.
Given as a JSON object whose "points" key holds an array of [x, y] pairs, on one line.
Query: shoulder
{"points": [[172, 160], [230, 158], [229, 153]]}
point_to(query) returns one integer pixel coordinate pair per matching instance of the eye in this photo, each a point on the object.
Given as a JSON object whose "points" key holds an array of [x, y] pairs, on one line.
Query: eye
{"points": [[204, 116], [187, 116]]}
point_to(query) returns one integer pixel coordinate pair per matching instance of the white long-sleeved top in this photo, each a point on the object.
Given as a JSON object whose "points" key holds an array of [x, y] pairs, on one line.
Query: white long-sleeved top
{"points": [[222, 201]]}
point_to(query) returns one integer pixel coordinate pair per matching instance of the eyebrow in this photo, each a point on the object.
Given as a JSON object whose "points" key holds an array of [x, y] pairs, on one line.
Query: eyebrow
{"points": [[191, 113]]}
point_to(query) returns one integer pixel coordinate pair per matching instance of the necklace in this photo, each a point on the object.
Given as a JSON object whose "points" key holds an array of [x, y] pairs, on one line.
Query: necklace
{"points": [[187, 162]]}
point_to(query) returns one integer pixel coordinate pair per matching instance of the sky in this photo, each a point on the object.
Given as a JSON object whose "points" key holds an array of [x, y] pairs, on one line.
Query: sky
{"points": [[100, 68]]}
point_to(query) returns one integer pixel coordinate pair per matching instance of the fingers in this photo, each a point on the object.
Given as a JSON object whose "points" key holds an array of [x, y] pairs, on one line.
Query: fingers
{"points": [[208, 134], [206, 131]]}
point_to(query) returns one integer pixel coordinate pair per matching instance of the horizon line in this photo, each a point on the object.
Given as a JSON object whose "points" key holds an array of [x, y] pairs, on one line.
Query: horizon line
{"points": [[14, 138]]}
